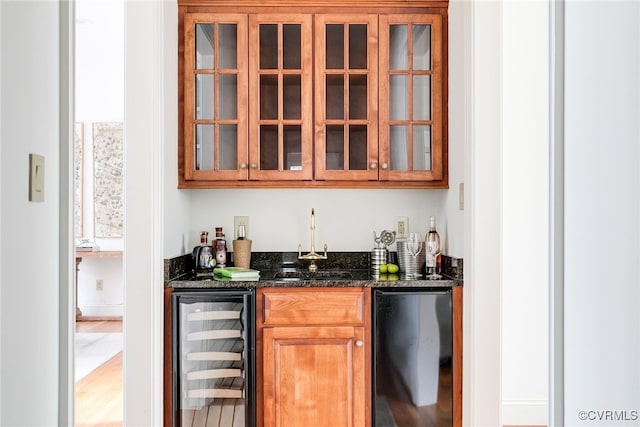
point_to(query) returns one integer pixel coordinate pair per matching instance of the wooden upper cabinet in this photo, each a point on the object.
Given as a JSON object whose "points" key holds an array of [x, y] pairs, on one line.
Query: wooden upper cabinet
{"points": [[411, 98], [280, 86], [215, 96], [276, 95], [346, 87]]}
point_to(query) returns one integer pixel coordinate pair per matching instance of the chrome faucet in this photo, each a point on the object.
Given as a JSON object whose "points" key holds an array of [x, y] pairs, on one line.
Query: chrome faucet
{"points": [[312, 255]]}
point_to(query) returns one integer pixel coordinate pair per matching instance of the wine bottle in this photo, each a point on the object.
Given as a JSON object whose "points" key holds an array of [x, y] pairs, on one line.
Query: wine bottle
{"points": [[432, 252], [220, 248]]}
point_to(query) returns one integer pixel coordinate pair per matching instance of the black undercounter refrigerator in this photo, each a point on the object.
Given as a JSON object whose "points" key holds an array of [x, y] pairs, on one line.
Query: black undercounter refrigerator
{"points": [[412, 357], [213, 358]]}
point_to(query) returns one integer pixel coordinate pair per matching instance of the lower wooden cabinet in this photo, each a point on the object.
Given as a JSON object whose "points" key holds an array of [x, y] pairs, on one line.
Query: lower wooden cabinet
{"points": [[314, 357]]}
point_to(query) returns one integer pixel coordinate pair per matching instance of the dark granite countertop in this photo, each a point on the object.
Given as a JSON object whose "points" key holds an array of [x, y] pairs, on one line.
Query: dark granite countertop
{"points": [[270, 279], [347, 270]]}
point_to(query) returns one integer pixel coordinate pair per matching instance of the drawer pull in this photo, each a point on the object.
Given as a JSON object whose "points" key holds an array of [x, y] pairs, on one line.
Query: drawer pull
{"points": [[359, 343]]}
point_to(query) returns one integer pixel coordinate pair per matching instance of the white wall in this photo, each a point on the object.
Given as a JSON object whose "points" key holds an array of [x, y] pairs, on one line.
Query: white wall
{"points": [[29, 302], [602, 213], [525, 207], [345, 219], [482, 287]]}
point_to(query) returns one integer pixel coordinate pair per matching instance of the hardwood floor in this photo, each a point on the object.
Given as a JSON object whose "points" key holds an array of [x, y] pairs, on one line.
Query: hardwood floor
{"points": [[98, 397]]}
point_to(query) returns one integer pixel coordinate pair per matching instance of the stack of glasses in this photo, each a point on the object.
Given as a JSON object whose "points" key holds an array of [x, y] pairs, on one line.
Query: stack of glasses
{"points": [[410, 258]]}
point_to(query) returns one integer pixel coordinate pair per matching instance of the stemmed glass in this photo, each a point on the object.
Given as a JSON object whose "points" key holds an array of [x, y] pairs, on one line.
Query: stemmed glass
{"points": [[414, 244], [414, 247]]}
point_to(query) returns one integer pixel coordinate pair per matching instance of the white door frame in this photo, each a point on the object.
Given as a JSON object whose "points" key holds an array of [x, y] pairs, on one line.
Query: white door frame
{"points": [[66, 279]]}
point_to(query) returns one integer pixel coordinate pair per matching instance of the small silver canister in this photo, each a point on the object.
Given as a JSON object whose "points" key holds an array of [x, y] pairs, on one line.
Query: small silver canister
{"points": [[378, 257]]}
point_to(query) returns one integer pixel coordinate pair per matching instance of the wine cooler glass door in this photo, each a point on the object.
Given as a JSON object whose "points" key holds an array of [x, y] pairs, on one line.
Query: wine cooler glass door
{"points": [[213, 359]]}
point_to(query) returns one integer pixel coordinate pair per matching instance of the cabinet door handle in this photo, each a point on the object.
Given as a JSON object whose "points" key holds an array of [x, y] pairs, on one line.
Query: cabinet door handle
{"points": [[243, 165], [359, 343], [373, 165], [254, 166], [384, 166]]}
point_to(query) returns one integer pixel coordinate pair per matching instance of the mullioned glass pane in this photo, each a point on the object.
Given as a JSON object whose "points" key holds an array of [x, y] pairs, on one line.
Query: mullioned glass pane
{"points": [[204, 96], [421, 47], [398, 47], [421, 97], [228, 46], [204, 153], [335, 46], [358, 147], [228, 147], [335, 96], [398, 97], [422, 148], [399, 147], [228, 96], [268, 46], [292, 47], [358, 46], [204, 47], [358, 106]]}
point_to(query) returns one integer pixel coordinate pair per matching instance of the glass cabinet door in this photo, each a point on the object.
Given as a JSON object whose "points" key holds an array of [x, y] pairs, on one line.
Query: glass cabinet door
{"points": [[280, 84], [215, 96], [346, 103], [411, 126]]}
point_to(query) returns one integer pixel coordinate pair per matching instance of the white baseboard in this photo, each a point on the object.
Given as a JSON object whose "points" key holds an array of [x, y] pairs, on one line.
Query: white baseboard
{"points": [[525, 412], [102, 310]]}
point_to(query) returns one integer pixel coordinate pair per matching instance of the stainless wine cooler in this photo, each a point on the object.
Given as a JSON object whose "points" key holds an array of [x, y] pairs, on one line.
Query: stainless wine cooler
{"points": [[412, 357], [213, 358]]}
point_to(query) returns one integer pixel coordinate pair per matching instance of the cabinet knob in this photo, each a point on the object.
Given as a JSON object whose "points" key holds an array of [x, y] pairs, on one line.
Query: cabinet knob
{"points": [[254, 166], [243, 165], [384, 166], [359, 343], [373, 165]]}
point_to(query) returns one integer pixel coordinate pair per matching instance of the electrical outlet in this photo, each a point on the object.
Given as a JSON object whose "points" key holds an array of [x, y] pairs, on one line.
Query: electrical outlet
{"points": [[99, 285], [402, 227], [238, 221]]}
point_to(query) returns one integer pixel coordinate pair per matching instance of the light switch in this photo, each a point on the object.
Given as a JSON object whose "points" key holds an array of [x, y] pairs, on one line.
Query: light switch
{"points": [[36, 178], [461, 196]]}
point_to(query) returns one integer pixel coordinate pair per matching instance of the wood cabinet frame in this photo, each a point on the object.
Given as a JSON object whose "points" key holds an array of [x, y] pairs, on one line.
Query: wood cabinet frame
{"points": [[305, 121], [189, 117], [321, 121], [436, 106], [348, 319], [457, 309], [314, 7]]}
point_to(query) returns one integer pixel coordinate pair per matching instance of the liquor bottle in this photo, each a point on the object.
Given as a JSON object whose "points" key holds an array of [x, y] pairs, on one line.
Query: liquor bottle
{"points": [[203, 254], [220, 248], [432, 252]]}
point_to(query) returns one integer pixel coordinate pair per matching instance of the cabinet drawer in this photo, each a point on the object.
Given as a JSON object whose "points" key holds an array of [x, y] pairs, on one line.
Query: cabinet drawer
{"points": [[326, 306]]}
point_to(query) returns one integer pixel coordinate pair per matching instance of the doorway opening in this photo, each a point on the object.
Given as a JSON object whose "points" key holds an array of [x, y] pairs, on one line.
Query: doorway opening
{"points": [[99, 211]]}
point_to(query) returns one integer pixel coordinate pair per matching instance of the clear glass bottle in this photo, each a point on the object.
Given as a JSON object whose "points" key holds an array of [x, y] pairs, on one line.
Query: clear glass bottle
{"points": [[220, 248], [432, 250]]}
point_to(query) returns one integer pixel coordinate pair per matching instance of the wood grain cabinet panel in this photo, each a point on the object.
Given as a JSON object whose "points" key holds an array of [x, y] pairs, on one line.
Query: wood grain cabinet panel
{"points": [[341, 306], [314, 357], [316, 94], [314, 376]]}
